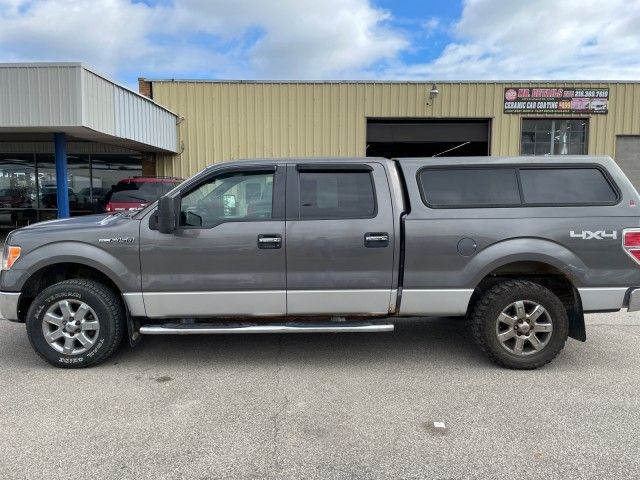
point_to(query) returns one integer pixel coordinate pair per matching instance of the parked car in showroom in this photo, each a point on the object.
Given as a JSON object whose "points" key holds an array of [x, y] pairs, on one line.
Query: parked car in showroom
{"points": [[522, 246], [14, 198], [49, 197], [135, 193]]}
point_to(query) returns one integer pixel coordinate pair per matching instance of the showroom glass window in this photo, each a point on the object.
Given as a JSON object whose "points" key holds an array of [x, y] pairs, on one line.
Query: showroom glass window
{"points": [[78, 180], [107, 171], [28, 182], [554, 136], [18, 190]]}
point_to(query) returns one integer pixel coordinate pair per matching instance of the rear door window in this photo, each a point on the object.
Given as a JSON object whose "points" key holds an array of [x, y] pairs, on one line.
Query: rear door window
{"points": [[336, 195], [566, 186], [469, 187]]}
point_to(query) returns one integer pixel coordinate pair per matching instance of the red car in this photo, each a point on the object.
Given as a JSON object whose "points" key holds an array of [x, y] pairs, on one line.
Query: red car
{"points": [[135, 193]]}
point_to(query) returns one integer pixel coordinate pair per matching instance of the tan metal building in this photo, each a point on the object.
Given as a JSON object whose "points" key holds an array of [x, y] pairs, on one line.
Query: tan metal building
{"points": [[226, 120]]}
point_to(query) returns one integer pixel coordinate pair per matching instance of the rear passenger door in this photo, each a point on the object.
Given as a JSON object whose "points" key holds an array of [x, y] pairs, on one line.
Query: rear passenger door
{"points": [[340, 239]]}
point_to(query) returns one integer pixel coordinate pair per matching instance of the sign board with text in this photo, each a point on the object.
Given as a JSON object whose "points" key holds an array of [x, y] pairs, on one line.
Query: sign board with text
{"points": [[556, 100]]}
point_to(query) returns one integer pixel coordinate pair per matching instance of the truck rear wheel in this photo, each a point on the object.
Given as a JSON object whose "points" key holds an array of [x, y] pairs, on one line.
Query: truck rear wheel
{"points": [[520, 324], [75, 323]]}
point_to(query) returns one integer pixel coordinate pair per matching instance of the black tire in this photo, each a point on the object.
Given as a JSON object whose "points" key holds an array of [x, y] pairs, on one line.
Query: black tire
{"points": [[490, 306], [106, 306]]}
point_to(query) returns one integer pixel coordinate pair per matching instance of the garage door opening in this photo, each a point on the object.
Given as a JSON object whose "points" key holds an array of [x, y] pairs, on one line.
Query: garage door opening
{"points": [[427, 138], [628, 157]]}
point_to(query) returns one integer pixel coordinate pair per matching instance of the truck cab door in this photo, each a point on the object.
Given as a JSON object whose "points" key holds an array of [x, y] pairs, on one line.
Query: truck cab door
{"points": [[227, 256], [340, 239]]}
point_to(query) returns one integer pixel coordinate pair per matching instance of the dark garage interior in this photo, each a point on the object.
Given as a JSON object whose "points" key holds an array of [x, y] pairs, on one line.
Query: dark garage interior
{"points": [[427, 138]]}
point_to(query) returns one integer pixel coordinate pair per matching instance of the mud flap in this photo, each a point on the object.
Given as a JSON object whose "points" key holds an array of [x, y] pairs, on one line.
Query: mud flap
{"points": [[577, 329], [133, 328]]}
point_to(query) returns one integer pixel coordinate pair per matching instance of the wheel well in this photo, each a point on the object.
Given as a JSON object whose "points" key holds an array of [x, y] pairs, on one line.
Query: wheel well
{"points": [[55, 273], [543, 274]]}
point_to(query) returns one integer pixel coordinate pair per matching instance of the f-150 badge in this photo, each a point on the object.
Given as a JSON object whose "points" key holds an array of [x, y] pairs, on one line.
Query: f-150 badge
{"points": [[116, 240], [597, 235]]}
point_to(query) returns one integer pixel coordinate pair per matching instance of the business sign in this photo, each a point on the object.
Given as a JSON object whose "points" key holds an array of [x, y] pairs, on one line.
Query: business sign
{"points": [[556, 100]]}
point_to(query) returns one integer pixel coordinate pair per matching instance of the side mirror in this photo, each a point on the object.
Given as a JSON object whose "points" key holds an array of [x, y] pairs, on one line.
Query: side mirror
{"points": [[168, 209]]}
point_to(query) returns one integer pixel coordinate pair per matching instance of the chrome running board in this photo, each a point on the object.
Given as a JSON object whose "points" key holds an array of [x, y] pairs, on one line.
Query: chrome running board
{"points": [[298, 327]]}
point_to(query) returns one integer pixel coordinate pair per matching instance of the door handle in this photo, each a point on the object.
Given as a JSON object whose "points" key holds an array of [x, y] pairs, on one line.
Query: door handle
{"points": [[269, 241], [376, 239]]}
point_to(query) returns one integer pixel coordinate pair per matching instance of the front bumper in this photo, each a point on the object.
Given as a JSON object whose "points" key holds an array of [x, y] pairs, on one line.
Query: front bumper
{"points": [[9, 305]]}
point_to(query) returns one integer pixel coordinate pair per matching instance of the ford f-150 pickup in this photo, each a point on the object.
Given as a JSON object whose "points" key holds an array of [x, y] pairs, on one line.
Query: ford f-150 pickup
{"points": [[521, 246]]}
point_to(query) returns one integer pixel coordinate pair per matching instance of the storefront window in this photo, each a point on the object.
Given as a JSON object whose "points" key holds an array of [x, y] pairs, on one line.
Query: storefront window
{"points": [[554, 136], [28, 184], [78, 179], [18, 193], [108, 170]]}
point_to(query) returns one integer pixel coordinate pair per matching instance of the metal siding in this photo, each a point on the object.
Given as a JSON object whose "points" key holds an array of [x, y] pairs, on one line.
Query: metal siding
{"points": [[72, 148], [39, 96], [97, 99], [54, 96], [232, 120]]}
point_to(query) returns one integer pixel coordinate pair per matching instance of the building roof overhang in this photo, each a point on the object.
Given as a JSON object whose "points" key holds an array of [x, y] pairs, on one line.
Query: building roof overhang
{"points": [[39, 99]]}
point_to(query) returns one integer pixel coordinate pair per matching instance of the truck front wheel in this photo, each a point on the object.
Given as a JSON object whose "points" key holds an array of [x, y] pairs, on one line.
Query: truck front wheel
{"points": [[75, 323], [520, 324]]}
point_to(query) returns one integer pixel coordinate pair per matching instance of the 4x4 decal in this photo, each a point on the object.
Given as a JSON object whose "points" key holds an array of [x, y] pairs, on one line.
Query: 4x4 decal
{"points": [[597, 235]]}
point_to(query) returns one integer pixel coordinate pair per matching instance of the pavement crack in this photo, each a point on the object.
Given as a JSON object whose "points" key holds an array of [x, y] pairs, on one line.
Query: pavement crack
{"points": [[283, 404]]}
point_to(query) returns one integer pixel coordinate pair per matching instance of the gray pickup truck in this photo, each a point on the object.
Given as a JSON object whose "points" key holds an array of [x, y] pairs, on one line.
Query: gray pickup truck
{"points": [[521, 246]]}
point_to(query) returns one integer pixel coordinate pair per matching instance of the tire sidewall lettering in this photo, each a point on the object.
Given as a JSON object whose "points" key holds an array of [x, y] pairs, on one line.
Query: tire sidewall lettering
{"points": [[37, 337]]}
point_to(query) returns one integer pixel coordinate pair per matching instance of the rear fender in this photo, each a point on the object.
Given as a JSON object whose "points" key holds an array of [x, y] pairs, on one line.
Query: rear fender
{"points": [[542, 251], [526, 250]]}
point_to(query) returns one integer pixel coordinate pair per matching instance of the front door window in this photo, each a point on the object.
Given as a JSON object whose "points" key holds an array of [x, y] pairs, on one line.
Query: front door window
{"points": [[239, 196]]}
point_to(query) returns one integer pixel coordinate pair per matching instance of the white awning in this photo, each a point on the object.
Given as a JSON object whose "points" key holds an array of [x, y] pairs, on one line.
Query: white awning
{"points": [[39, 98]]}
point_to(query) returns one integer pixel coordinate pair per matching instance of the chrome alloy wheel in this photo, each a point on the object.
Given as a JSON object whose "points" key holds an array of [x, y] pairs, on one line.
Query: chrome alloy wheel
{"points": [[70, 327], [524, 328]]}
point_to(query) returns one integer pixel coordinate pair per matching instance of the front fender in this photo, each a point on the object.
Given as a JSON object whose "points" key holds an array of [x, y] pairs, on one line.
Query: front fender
{"points": [[123, 269], [528, 249]]}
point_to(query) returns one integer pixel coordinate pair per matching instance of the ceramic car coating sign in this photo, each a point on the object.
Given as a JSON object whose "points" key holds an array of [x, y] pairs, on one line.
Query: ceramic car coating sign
{"points": [[556, 100]]}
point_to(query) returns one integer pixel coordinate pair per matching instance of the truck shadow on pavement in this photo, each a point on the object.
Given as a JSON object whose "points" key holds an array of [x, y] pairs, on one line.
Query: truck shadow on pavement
{"points": [[446, 343], [437, 340]]}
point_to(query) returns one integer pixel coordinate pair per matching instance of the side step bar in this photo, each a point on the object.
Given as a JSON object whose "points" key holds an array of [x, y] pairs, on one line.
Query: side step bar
{"points": [[300, 327]]}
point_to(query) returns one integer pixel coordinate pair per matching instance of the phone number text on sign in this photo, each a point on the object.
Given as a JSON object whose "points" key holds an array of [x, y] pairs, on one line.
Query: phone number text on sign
{"points": [[556, 100]]}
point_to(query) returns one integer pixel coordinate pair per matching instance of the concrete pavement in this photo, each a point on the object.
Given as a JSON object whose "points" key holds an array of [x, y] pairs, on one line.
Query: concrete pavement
{"points": [[355, 406]]}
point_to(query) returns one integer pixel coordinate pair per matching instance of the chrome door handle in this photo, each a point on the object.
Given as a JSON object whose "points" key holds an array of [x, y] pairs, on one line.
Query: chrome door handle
{"points": [[376, 239], [269, 241]]}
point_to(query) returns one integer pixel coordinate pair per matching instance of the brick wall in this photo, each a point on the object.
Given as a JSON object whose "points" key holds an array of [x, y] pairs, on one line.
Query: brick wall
{"points": [[144, 88]]}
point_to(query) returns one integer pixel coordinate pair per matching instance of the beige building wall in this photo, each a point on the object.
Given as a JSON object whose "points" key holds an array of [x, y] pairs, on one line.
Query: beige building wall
{"points": [[235, 120]]}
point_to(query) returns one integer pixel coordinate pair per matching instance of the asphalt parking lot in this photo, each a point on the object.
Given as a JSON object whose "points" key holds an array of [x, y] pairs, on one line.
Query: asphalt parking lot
{"points": [[355, 406]]}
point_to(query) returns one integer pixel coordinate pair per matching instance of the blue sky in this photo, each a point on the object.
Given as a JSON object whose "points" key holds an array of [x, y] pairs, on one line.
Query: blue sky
{"points": [[427, 23], [329, 39]]}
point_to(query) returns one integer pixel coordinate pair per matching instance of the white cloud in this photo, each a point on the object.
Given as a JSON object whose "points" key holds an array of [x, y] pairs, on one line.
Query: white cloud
{"points": [[243, 38], [109, 33], [431, 25], [325, 39], [571, 39]]}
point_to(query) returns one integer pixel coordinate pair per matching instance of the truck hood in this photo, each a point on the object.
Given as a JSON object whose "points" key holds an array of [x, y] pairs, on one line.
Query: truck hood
{"points": [[87, 229], [76, 222]]}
